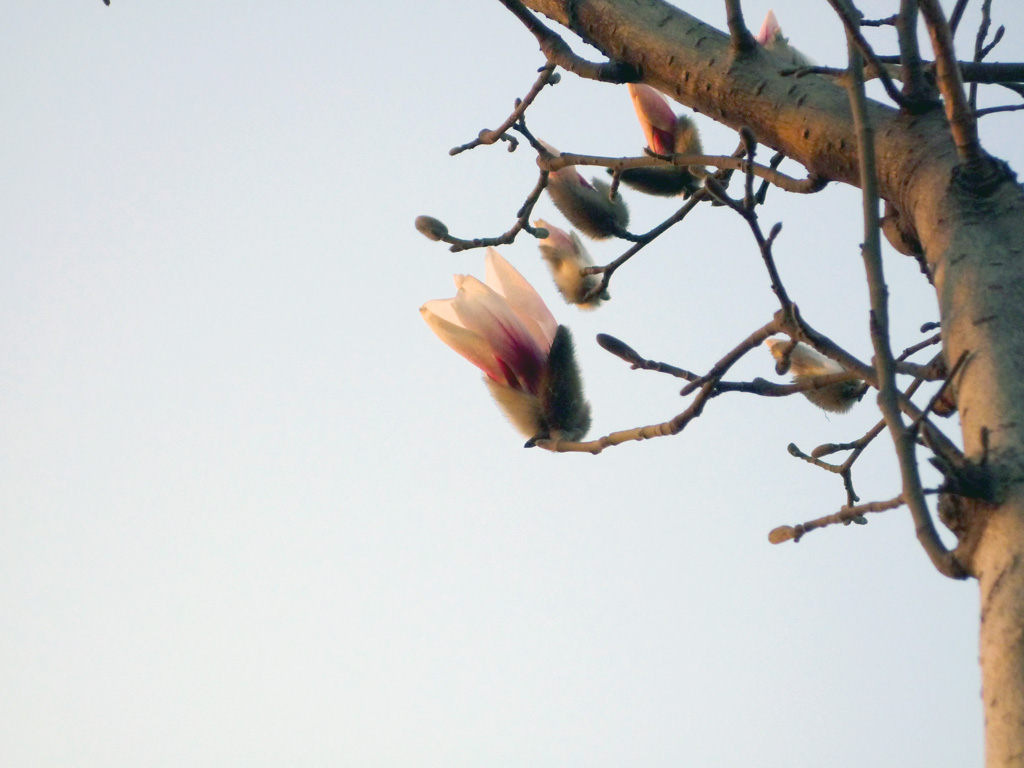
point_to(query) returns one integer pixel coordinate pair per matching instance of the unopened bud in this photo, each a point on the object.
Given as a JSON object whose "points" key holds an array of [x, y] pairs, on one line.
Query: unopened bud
{"points": [[781, 534], [431, 228]]}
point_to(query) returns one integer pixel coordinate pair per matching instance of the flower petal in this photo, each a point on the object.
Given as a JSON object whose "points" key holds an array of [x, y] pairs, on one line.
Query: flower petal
{"points": [[487, 313], [769, 29], [527, 304], [440, 316], [656, 117]]}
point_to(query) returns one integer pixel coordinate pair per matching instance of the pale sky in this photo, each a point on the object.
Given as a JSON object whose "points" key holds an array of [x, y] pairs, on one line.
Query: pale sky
{"points": [[253, 513]]}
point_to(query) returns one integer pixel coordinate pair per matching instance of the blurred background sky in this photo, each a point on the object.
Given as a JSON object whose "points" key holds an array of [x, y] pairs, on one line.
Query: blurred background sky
{"points": [[253, 513]]}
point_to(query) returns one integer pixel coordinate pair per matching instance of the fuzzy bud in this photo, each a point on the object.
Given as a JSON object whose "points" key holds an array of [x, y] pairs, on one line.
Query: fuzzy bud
{"points": [[588, 205], [567, 258], [431, 228], [806, 363], [666, 134]]}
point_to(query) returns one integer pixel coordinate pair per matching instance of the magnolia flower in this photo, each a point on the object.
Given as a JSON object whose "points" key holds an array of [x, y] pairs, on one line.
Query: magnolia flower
{"points": [[587, 204], [504, 328], [666, 134], [566, 257], [772, 39], [805, 363]]}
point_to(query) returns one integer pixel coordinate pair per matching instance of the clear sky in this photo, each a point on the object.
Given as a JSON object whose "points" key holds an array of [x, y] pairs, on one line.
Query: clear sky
{"points": [[253, 513]]}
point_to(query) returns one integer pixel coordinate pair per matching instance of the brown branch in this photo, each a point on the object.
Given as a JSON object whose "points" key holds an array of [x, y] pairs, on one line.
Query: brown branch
{"points": [[547, 75], [903, 438], [956, 15], [749, 214], [742, 40], [915, 85], [930, 341], [979, 48], [994, 110], [805, 186], [851, 20], [608, 270], [857, 447], [522, 223], [625, 352], [557, 51], [846, 514], [962, 123], [719, 369], [757, 386], [675, 425], [888, 21]]}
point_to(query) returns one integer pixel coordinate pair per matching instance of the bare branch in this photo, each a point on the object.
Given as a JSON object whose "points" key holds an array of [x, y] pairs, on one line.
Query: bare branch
{"points": [[557, 51], [903, 438], [851, 20], [720, 368], [979, 47], [758, 386], [847, 514], [522, 223], [547, 75], [742, 40], [915, 86], [805, 186], [675, 425], [625, 352], [763, 243], [641, 240], [888, 21], [959, 113], [994, 110], [956, 15]]}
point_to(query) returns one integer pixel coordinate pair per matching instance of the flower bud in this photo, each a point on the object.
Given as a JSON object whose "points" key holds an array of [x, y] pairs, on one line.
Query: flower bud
{"points": [[666, 134], [587, 204], [431, 228], [567, 258], [806, 363]]}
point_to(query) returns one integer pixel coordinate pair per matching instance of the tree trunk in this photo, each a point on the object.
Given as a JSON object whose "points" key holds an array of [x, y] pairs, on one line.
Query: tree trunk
{"points": [[972, 236]]}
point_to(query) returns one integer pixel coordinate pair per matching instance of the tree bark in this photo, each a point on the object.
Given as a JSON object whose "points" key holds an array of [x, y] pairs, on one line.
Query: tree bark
{"points": [[972, 236]]}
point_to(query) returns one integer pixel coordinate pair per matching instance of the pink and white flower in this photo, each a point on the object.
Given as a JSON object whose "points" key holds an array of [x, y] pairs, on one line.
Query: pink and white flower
{"points": [[504, 328], [771, 37], [667, 133]]}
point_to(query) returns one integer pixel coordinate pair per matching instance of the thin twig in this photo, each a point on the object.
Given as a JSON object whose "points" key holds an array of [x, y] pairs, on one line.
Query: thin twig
{"points": [[675, 425], [608, 270], [522, 223], [888, 21], [719, 369], [929, 342], [903, 438], [547, 75], [994, 110], [757, 386], [961, 361], [556, 50], [808, 185], [979, 48], [956, 15], [847, 514], [962, 123], [749, 214], [851, 18]]}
